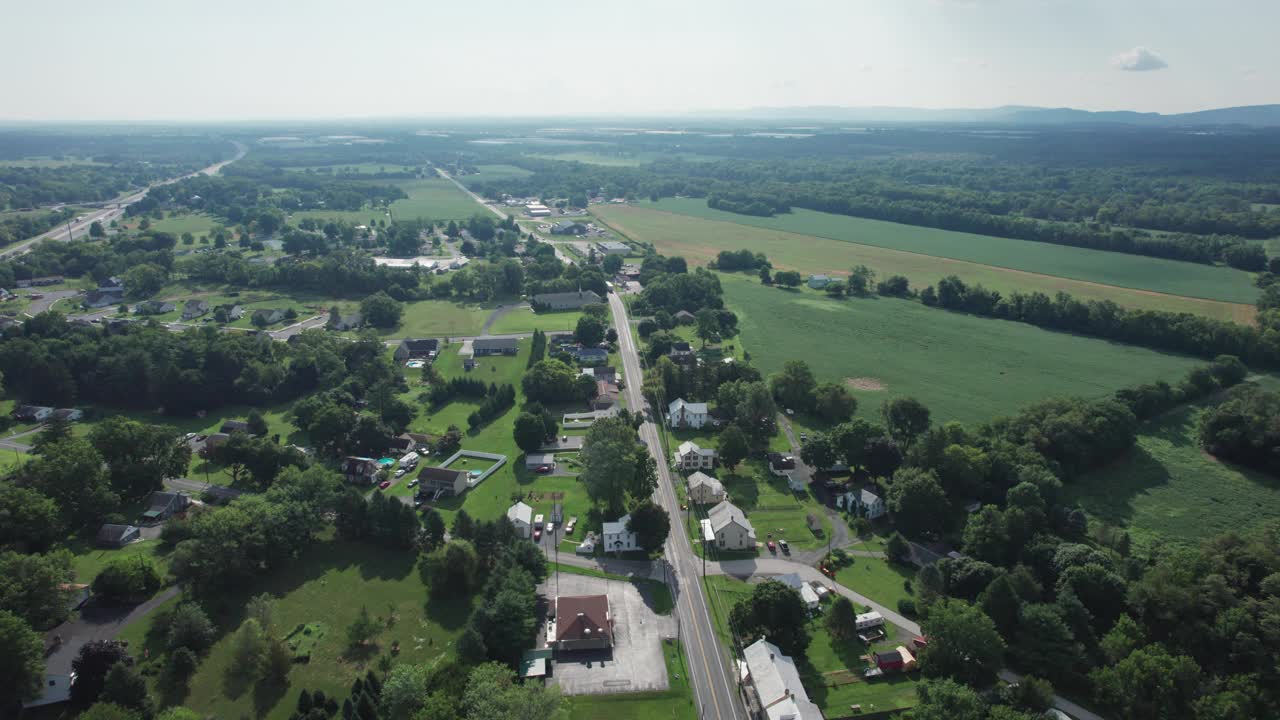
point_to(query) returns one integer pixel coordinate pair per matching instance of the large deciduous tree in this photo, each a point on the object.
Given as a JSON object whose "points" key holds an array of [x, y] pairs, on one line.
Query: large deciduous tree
{"points": [[793, 385], [21, 658], [615, 465], [963, 644], [775, 611], [917, 502]]}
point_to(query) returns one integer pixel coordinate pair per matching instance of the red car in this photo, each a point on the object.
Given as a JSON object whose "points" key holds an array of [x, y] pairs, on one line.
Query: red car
{"points": [[543, 469], [537, 534], [384, 484], [772, 548]]}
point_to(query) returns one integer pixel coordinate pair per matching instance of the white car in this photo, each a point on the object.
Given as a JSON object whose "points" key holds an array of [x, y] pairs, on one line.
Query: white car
{"points": [[400, 472], [551, 527]]}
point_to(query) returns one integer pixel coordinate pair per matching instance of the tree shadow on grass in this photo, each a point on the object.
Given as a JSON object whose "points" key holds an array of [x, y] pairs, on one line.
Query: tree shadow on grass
{"points": [[814, 682], [1108, 495], [267, 694], [743, 490]]}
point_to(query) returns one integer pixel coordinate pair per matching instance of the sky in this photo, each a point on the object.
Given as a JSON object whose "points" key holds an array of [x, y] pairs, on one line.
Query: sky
{"points": [[162, 60]]}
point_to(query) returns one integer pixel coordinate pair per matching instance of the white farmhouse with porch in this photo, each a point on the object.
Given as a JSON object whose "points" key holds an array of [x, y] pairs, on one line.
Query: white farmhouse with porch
{"points": [[683, 414], [617, 538]]}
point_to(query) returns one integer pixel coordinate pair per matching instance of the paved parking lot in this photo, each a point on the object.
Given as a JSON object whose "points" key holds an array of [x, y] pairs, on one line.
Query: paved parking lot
{"points": [[635, 662]]}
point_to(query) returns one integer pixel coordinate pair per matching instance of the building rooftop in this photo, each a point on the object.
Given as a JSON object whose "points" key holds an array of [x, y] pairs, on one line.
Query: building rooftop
{"points": [[583, 617]]}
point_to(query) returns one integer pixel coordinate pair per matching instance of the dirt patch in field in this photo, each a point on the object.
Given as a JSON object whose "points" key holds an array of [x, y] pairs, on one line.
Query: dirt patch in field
{"points": [[865, 383]]}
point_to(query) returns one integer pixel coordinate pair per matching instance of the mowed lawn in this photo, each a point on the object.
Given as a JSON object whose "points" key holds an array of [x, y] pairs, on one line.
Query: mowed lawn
{"points": [[963, 367], [1167, 490], [195, 223], [328, 584], [429, 199], [491, 498], [523, 320], [434, 318], [699, 240], [1111, 268]]}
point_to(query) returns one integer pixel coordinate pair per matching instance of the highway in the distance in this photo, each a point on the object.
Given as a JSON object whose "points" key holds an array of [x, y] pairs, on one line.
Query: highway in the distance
{"points": [[80, 226], [710, 670]]}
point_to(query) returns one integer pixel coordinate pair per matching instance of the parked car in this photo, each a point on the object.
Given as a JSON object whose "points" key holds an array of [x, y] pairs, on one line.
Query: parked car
{"points": [[537, 520], [772, 548], [400, 472], [786, 549], [542, 469], [804, 436], [384, 484], [413, 482], [537, 533], [551, 527]]}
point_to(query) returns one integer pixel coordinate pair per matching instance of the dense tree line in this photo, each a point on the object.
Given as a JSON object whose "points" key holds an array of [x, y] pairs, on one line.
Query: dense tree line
{"points": [[1178, 332], [245, 191], [22, 227], [52, 362], [381, 520], [1035, 591], [95, 260], [1245, 429], [223, 547]]}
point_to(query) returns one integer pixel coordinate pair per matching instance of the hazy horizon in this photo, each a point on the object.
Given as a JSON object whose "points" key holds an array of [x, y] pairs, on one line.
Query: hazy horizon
{"points": [[241, 61]]}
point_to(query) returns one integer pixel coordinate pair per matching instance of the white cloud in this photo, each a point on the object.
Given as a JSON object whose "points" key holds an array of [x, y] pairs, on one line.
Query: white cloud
{"points": [[1139, 59]]}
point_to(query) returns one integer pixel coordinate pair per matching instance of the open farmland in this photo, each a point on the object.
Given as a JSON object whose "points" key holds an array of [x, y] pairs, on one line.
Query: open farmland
{"points": [[699, 240], [489, 173], [1168, 490], [963, 367], [1120, 269], [429, 199]]}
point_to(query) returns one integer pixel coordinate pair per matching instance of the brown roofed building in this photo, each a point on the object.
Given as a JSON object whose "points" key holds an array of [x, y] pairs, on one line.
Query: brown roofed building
{"points": [[583, 623]]}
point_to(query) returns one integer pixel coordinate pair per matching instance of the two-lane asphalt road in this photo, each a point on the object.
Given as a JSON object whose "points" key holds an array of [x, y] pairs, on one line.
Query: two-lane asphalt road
{"points": [[559, 253], [710, 668]]}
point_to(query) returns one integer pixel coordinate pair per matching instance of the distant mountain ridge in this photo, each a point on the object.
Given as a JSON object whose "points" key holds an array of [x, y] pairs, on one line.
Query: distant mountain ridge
{"points": [[1251, 115]]}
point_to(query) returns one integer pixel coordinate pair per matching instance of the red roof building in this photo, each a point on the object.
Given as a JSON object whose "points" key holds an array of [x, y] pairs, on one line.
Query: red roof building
{"points": [[583, 623]]}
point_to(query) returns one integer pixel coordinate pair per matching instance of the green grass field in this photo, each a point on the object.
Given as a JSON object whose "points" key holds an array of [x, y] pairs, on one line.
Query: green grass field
{"points": [[775, 511], [526, 320], [489, 173], [1120, 269], [195, 223], [1166, 490], [699, 240], [429, 199], [491, 498], [328, 583], [89, 559], [618, 158], [877, 579], [357, 168], [963, 367], [437, 318]]}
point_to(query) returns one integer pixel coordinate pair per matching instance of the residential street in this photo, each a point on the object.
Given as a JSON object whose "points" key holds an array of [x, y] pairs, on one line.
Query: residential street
{"points": [[711, 670]]}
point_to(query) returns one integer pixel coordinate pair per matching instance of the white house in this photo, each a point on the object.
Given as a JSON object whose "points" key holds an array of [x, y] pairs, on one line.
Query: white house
{"points": [[691, 457], [683, 414], [776, 682], [865, 503], [704, 489], [521, 517], [617, 538], [733, 531]]}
